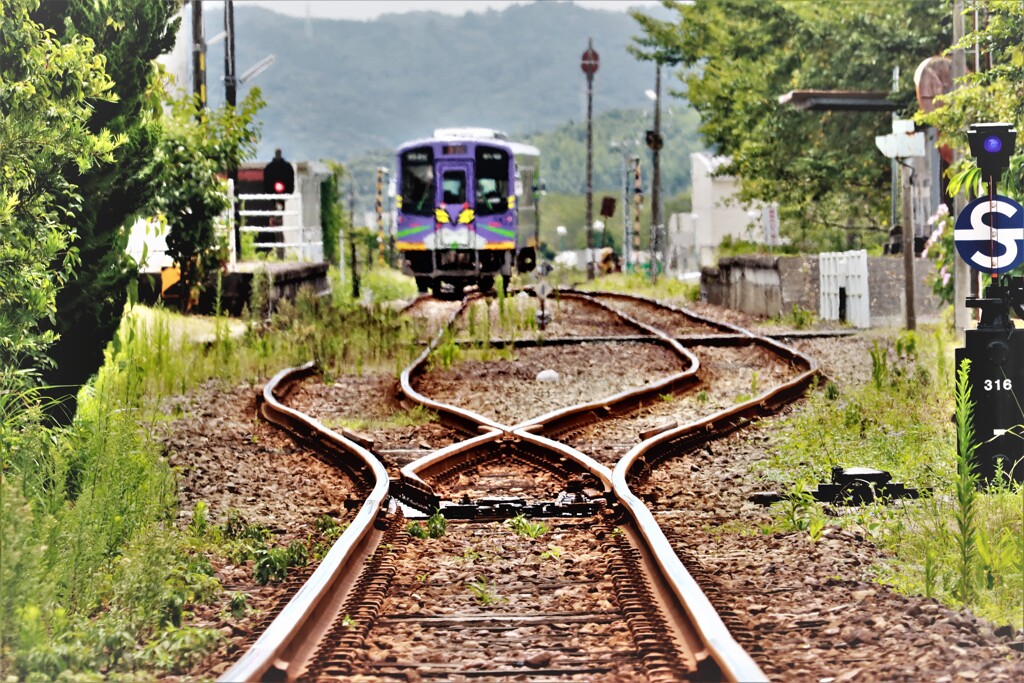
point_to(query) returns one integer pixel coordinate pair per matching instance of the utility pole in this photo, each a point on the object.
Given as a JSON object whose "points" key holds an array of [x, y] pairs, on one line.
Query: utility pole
{"points": [[962, 274], [230, 82], [589, 64], [381, 173], [908, 244], [627, 239], [231, 97], [198, 55], [352, 236], [638, 203]]}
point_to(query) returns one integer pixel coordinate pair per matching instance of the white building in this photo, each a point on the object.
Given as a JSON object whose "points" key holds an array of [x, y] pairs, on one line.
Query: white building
{"points": [[693, 238]]}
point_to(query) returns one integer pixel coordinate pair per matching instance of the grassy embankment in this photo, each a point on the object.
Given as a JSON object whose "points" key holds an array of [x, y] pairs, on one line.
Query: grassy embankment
{"points": [[962, 545], [96, 580]]}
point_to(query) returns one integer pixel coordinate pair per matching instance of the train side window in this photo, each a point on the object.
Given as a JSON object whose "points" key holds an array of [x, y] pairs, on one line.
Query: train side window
{"points": [[489, 197], [453, 184]]}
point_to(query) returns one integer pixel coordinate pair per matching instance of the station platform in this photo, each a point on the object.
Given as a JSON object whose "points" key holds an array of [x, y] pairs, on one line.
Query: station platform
{"points": [[285, 281]]}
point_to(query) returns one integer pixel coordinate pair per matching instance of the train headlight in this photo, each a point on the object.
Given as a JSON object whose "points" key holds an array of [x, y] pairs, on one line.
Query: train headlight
{"points": [[466, 215], [441, 215]]}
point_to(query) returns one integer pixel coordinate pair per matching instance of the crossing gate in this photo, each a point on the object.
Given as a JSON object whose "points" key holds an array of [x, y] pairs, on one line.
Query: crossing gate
{"points": [[843, 287]]}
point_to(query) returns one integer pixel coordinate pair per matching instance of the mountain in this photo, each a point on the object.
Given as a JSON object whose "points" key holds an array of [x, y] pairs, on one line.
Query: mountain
{"points": [[340, 89]]}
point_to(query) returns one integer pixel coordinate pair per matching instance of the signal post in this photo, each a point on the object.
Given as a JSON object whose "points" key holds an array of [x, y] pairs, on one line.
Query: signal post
{"points": [[989, 237]]}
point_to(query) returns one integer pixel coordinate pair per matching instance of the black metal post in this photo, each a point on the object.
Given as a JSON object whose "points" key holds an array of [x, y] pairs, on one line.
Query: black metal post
{"points": [[352, 237], [589, 64], [230, 97], [656, 228]]}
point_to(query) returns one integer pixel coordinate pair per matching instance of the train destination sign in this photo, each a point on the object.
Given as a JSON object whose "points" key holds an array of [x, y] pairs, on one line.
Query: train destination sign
{"points": [[989, 234]]}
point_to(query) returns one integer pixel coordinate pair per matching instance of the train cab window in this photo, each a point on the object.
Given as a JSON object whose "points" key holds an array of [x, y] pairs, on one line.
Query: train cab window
{"points": [[491, 181], [453, 185], [418, 182]]}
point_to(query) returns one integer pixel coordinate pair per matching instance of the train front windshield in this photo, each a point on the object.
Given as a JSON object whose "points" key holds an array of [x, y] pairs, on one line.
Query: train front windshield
{"points": [[418, 181]]}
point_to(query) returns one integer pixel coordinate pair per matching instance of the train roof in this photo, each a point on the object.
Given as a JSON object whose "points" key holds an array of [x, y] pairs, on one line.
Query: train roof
{"points": [[490, 135]]}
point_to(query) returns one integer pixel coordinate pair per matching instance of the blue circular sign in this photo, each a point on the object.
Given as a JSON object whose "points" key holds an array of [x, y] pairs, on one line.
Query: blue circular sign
{"points": [[989, 234]]}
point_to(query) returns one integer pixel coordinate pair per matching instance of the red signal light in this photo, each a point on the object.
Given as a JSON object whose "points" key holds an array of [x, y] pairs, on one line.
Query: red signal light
{"points": [[279, 187]]}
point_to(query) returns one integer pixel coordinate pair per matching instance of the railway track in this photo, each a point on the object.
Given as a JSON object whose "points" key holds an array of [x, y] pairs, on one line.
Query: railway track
{"points": [[550, 567]]}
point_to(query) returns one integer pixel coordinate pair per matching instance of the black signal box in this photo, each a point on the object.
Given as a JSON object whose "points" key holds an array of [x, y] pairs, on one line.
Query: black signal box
{"points": [[608, 207], [996, 378], [992, 144]]}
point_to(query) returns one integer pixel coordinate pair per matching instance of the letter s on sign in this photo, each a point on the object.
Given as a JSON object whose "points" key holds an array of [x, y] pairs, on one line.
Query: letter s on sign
{"points": [[974, 237]]}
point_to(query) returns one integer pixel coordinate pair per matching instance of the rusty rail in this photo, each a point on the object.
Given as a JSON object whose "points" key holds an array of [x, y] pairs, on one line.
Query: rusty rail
{"points": [[272, 655]]}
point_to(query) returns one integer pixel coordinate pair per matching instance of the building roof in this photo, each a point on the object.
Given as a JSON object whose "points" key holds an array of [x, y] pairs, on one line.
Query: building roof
{"points": [[711, 162], [838, 100]]}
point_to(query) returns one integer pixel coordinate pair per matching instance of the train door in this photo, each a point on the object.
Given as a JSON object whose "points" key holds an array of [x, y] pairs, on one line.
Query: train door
{"points": [[454, 178]]}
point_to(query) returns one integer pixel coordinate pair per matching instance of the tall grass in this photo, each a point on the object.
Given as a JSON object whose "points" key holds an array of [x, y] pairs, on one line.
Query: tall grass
{"points": [[965, 505], [95, 577], [666, 288], [961, 544]]}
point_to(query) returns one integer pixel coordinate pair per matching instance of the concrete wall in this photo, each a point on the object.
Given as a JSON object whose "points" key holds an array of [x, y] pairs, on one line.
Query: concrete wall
{"points": [[771, 285]]}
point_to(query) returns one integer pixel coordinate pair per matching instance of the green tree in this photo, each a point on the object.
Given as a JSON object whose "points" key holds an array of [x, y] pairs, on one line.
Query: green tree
{"points": [[198, 145], [996, 94], [49, 89], [129, 35], [738, 56], [332, 218]]}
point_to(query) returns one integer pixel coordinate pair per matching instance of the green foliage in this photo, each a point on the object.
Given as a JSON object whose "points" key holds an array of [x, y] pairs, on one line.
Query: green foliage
{"points": [[272, 563], [92, 564], [524, 527], [993, 94], [49, 90], [387, 284], [965, 509], [333, 220], [960, 545], [941, 248], [198, 145], [435, 527], [799, 318], [129, 36], [554, 552], [738, 56], [483, 591], [666, 289], [446, 353]]}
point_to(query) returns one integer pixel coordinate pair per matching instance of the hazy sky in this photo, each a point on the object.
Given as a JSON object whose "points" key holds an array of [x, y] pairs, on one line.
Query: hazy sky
{"points": [[369, 9]]}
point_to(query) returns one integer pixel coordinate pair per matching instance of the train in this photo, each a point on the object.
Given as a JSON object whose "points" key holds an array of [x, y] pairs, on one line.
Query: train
{"points": [[466, 210]]}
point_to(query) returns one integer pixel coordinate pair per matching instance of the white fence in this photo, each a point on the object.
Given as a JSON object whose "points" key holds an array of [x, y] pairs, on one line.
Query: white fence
{"points": [[843, 287], [296, 241]]}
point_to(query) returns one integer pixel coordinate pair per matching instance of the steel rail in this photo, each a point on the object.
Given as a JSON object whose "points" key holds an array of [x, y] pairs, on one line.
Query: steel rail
{"points": [[680, 594], [276, 655], [562, 419], [273, 653], [733, 661], [466, 421]]}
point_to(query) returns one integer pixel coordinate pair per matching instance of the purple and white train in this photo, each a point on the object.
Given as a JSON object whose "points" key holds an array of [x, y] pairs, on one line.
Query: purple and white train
{"points": [[466, 210]]}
